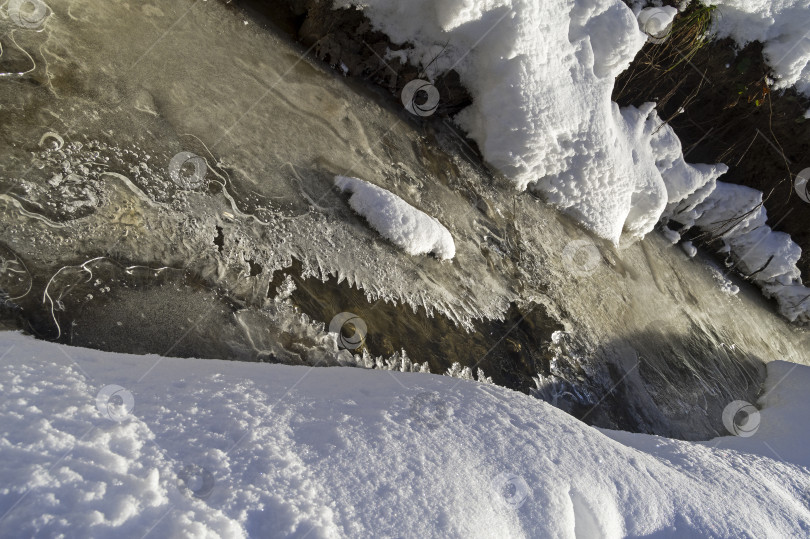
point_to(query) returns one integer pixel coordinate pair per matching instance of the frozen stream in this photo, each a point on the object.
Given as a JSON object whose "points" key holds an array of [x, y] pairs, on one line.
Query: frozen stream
{"points": [[250, 255]]}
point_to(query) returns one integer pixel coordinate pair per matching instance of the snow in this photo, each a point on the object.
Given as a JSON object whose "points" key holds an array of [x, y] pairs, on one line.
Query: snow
{"points": [[541, 76], [669, 178], [672, 236], [689, 248], [656, 22], [225, 449], [781, 25], [410, 229], [735, 214]]}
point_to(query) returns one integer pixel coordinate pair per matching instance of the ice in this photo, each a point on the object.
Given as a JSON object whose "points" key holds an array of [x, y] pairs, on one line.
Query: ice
{"points": [[225, 449], [412, 230], [723, 281], [672, 236]]}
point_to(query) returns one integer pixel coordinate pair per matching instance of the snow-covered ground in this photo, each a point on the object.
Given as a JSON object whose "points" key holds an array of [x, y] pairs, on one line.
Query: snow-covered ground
{"points": [[783, 26], [105, 445], [541, 75]]}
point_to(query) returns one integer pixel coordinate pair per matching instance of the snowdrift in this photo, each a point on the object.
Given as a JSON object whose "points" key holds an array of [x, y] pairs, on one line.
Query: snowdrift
{"points": [[111, 445]]}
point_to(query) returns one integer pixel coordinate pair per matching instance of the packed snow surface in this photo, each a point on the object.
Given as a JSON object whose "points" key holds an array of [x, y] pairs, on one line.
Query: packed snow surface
{"points": [[783, 26], [411, 229], [110, 445], [541, 75]]}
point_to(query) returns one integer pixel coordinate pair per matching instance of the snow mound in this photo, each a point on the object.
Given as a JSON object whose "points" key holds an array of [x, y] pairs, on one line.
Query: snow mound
{"points": [[412, 230], [732, 213], [691, 195], [781, 25], [663, 178], [226, 449]]}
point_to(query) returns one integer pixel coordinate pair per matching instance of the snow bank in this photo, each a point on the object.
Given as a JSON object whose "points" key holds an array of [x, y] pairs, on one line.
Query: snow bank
{"points": [[732, 213], [412, 230], [735, 214], [226, 449], [781, 25]]}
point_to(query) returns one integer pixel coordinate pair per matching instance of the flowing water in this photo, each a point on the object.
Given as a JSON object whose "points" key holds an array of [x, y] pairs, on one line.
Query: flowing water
{"points": [[166, 187]]}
